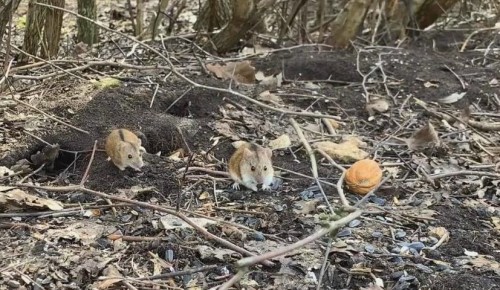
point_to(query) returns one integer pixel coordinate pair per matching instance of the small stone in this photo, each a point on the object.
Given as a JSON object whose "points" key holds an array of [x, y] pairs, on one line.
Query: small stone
{"points": [[309, 193], [424, 268], [400, 234], [258, 236], [344, 233], [396, 250], [277, 183], [417, 246], [396, 260], [397, 275], [442, 267], [377, 200], [354, 223], [279, 207], [370, 248], [377, 234], [13, 284], [126, 218], [169, 255]]}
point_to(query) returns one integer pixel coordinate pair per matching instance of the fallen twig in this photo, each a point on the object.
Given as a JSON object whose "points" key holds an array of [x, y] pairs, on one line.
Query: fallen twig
{"points": [[312, 157]]}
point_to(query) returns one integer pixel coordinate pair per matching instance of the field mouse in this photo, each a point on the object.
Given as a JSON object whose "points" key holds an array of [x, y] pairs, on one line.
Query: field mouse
{"points": [[125, 149], [250, 165]]}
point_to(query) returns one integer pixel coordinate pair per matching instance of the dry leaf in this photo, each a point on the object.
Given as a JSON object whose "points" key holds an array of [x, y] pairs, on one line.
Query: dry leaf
{"points": [[241, 72], [225, 130], [110, 271], [424, 138], [266, 96], [21, 199], [347, 151], [377, 106], [485, 263], [256, 49], [439, 232], [453, 98], [332, 123], [204, 195], [305, 207], [233, 232], [430, 84], [207, 252], [281, 142], [4, 171]]}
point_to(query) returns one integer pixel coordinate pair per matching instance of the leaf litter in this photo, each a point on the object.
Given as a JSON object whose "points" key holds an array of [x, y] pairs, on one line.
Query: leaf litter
{"points": [[390, 247]]}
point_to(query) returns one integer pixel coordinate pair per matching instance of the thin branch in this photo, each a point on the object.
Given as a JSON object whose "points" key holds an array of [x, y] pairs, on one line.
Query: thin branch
{"points": [[312, 157], [86, 174]]}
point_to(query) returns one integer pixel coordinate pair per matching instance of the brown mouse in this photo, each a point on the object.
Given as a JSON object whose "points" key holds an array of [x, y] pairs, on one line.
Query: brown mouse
{"points": [[251, 165], [125, 149]]}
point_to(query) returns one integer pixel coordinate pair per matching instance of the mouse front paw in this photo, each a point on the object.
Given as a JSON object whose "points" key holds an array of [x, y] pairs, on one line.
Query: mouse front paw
{"points": [[236, 186], [266, 187]]}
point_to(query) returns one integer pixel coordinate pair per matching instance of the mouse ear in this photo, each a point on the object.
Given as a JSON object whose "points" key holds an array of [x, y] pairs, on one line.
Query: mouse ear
{"points": [[247, 152], [269, 152]]}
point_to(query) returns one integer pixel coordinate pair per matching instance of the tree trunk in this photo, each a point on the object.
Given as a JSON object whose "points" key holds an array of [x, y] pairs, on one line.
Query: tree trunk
{"points": [[397, 16], [52, 29], [7, 7], [213, 15], [34, 24], [348, 22], [246, 13], [431, 10], [87, 31], [139, 21], [155, 22]]}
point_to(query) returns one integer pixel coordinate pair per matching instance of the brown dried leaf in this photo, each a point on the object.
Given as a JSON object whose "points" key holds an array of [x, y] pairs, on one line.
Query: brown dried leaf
{"points": [[484, 262], [425, 137], [348, 151], [21, 199], [110, 271], [225, 130], [281, 142], [240, 72], [266, 96], [233, 232], [439, 232], [377, 106], [305, 206]]}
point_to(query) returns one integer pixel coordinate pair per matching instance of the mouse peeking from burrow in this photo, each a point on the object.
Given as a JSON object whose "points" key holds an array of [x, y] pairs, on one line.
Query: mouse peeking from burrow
{"points": [[125, 149], [251, 165]]}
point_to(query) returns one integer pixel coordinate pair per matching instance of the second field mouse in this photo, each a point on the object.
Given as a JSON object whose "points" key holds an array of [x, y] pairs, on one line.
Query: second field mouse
{"points": [[125, 149], [251, 165]]}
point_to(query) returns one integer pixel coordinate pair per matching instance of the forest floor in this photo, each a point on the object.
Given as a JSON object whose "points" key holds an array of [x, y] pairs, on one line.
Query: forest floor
{"points": [[429, 192]]}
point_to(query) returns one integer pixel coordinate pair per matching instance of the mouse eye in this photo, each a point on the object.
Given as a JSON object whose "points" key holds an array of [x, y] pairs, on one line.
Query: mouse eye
{"points": [[265, 168], [253, 168], [130, 156]]}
